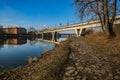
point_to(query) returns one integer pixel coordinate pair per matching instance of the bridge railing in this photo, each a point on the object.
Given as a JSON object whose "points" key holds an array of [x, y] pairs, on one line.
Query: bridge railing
{"points": [[77, 24]]}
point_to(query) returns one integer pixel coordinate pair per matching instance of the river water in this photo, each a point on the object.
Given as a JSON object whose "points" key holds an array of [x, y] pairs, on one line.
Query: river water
{"points": [[16, 51]]}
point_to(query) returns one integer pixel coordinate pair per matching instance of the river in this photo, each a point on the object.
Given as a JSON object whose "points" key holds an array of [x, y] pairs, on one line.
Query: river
{"points": [[16, 51]]}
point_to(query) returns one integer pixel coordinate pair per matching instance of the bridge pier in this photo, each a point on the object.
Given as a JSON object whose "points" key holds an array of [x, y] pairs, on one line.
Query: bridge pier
{"points": [[53, 36], [78, 32]]}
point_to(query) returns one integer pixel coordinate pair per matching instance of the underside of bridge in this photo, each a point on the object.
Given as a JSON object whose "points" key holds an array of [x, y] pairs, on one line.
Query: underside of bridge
{"points": [[48, 36], [52, 35]]}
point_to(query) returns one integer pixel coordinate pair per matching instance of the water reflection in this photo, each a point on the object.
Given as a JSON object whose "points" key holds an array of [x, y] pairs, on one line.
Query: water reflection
{"points": [[14, 52], [12, 41], [1, 43], [15, 41]]}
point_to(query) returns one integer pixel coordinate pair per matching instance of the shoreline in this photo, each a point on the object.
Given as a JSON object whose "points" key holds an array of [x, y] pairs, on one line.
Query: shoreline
{"points": [[49, 64], [92, 57]]}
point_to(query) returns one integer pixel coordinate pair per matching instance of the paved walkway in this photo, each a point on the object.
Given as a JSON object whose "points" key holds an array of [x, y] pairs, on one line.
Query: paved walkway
{"points": [[84, 64]]}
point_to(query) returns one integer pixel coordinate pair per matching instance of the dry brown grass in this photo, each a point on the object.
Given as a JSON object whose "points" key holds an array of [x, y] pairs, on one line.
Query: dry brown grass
{"points": [[104, 46], [31, 60]]}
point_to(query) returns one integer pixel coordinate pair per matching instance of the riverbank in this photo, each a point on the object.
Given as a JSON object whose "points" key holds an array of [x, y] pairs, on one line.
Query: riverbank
{"points": [[87, 62], [46, 67], [92, 57]]}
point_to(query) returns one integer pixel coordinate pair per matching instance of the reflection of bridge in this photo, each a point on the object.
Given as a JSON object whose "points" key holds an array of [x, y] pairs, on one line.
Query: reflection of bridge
{"points": [[77, 27], [48, 41]]}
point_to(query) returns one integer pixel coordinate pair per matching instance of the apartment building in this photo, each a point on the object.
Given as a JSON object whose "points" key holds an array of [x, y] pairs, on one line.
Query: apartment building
{"points": [[15, 30]]}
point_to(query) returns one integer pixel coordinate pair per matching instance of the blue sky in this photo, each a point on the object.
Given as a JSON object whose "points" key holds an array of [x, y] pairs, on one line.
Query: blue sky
{"points": [[37, 13]]}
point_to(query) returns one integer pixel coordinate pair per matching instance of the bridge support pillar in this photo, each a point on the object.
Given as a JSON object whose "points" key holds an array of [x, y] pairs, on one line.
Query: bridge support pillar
{"points": [[53, 36], [78, 32]]}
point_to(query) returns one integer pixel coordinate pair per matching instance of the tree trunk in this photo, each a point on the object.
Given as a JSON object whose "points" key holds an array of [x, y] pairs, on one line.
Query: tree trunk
{"points": [[111, 32], [108, 24]]}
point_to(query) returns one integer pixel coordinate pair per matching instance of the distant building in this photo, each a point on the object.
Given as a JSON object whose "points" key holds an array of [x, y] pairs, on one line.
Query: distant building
{"points": [[15, 30], [1, 30]]}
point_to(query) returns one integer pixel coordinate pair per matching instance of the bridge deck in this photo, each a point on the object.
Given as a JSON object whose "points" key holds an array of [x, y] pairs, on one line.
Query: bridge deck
{"points": [[90, 24]]}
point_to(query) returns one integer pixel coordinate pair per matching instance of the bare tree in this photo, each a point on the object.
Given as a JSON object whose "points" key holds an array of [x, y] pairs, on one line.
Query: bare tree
{"points": [[60, 24], [104, 10], [32, 29]]}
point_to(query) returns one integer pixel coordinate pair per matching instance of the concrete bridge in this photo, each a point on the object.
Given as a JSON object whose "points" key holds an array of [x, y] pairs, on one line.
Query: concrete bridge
{"points": [[78, 28]]}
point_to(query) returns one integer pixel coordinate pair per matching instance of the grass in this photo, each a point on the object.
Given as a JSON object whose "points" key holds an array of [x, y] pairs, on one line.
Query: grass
{"points": [[105, 47]]}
